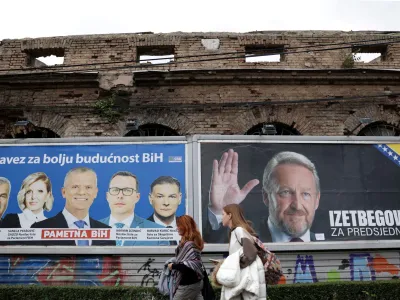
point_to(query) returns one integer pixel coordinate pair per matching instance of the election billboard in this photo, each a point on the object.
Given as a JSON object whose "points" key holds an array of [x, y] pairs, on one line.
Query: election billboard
{"points": [[104, 194], [302, 192]]}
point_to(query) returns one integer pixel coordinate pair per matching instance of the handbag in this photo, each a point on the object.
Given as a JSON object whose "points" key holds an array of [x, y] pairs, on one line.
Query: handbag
{"points": [[164, 284], [207, 291], [271, 263]]}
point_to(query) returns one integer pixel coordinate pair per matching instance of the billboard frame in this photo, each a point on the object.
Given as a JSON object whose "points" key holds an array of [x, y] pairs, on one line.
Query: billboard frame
{"points": [[85, 141], [193, 190], [289, 247]]}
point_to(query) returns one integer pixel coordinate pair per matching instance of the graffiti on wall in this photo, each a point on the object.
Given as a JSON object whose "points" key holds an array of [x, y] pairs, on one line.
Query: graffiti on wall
{"points": [[357, 267], [73, 270], [305, 269], [110, 271], [151, 276], [361, 267]]}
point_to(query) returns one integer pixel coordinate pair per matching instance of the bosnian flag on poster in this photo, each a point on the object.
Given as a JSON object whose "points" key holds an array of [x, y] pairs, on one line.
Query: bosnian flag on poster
{"points": [[391, 151]]}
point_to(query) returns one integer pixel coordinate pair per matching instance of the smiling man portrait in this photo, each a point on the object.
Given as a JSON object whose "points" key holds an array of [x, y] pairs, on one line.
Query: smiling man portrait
{"points": [[79, 190], [122, 196], [291, 192], [5, 189]]}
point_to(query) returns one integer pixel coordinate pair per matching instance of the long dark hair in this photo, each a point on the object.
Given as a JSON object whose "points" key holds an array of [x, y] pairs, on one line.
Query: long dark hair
{"points": [[189, 231]]}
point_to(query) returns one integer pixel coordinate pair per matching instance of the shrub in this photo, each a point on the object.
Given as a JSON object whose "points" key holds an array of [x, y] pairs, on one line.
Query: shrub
{"points": [[381, 290]]}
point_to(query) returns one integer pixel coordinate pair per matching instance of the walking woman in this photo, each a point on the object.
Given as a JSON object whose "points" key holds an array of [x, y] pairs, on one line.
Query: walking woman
{"points": [[241, 237], [187, 271]]}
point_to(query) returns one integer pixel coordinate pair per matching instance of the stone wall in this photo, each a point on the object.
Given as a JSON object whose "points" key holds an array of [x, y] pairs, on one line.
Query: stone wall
{"points": [[209, 88]]}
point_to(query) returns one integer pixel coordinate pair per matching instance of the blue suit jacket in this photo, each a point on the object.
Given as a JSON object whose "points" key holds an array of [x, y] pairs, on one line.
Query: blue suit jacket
{"points": [[139, 222]]}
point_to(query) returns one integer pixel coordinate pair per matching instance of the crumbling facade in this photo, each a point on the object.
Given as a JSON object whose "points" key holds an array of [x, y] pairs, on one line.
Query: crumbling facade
{"points": [[206, 83]]}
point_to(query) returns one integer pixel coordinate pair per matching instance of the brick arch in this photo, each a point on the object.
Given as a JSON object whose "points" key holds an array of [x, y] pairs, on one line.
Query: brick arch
{"points": [[55, 122], [174, 120], [375, 112], [296, 116], [281, 129], [152, 129]]}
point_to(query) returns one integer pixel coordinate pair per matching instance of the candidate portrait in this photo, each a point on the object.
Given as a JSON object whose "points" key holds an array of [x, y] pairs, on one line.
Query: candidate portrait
{"points": [[34, 197], [290, 192], [165, 197], [79, 191], [5, 190], [123, 195]]}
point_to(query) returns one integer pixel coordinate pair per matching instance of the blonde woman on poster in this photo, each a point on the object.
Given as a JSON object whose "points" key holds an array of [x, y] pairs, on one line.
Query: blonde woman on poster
{"points": [[34, 197]]}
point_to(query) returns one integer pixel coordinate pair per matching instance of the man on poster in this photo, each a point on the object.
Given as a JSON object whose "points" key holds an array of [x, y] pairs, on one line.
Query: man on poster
{"points": [[122, 196], [80, 190], [291, 191], [165, 197], [5, 190]]}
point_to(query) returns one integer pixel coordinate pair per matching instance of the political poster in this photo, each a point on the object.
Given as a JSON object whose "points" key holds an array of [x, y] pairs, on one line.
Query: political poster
{"points": [[92, 194], [302, 192]]}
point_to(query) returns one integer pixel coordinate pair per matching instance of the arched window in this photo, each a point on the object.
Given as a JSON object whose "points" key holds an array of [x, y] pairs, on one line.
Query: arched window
{"points": [[379, 129], [26, 130], [152, 130], [272, 128]]}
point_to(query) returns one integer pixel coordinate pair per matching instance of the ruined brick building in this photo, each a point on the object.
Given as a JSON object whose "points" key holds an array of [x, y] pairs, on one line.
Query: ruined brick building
{"points": [[206, 83]]}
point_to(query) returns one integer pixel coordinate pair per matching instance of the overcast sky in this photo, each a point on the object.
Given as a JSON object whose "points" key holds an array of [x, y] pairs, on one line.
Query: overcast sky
{"points": [[39, 18]]}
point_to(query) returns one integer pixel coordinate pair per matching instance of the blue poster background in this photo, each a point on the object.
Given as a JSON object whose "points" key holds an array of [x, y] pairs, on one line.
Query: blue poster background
{"points": [[173, 164]]}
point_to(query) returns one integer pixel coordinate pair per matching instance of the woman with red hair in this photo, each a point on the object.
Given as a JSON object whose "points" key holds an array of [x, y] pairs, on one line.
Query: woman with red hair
{"points": [[187, 270]]}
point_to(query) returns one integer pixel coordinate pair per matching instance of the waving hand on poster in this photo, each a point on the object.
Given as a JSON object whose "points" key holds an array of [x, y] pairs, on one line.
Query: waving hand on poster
{"points": [[225, 188]]}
